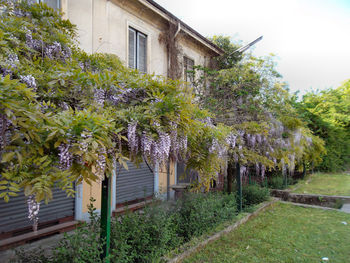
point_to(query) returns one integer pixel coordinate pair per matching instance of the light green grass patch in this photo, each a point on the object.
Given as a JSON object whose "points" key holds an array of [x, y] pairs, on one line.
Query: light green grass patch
{"points": [[325, 184], [283, 233]]}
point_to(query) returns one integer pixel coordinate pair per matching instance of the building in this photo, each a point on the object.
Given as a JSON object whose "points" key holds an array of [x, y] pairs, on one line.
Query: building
{"points": [[146, 37]]}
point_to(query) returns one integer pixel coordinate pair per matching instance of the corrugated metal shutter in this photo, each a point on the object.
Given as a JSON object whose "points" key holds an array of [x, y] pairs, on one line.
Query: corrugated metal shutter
{"points": [[134, 183], [13, 215]]}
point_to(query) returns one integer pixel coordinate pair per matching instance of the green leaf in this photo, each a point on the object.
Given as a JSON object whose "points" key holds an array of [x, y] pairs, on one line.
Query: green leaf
{"points": [[7, 157]]}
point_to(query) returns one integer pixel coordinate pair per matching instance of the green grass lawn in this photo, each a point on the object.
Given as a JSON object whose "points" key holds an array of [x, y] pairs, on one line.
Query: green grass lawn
{"points": [[325, 184], [283, 233]]}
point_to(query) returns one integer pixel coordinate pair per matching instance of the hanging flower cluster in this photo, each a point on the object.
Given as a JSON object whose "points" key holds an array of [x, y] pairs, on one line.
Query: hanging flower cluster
{"points": [[33, 211], [101, 165], [66, 157], [5, 132], [29, 80]]}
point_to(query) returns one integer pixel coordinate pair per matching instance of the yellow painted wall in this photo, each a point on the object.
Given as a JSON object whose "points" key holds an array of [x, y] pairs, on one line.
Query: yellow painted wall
{"points": [[93, 190], [163, 177]]}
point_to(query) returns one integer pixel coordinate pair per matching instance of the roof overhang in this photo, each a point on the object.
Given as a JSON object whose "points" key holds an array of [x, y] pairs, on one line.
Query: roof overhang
{"points": [[161, 11]]}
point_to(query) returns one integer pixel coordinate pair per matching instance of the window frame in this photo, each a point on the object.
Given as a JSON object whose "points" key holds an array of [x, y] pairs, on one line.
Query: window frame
{"points": [[137, 33], [58, 4], [185, 68]]}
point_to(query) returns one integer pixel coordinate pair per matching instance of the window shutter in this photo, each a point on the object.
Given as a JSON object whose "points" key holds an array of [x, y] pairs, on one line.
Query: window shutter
{"points": [[132, 48], [55, 4], [142, 52]]}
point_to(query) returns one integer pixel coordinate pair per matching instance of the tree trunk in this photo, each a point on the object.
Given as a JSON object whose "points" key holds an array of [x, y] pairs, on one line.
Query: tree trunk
{"points": [[230, 175]]}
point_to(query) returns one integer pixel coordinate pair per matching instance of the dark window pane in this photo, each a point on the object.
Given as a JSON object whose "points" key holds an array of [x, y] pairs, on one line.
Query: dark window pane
{"points": [[188, 66], [142, 52], [132, 48], [55, 4]]}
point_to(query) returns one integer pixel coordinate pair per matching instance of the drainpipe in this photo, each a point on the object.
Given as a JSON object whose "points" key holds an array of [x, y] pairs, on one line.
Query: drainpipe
{"points": [[178, 30], [173, 39], [168, 180]]}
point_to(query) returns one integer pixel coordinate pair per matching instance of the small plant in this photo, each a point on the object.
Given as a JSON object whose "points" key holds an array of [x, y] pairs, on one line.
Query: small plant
{"points": [[338, 204], [84, 245]]}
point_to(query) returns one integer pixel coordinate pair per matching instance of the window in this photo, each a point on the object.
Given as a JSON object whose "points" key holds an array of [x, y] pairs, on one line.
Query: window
{"points": [[188, 66], [137, 50], [55, 4]]}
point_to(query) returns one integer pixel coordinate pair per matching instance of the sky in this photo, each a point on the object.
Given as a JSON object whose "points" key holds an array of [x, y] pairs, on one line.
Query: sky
{"points": [[310, 38]]}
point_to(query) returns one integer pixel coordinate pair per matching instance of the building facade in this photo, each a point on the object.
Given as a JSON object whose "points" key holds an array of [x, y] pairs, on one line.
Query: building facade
{"points": [[146, 37]]}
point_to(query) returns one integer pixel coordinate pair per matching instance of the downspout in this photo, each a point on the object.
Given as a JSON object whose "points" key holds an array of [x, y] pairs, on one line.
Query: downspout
{"points": [[178, 30], [173, 39], [168, 180]]}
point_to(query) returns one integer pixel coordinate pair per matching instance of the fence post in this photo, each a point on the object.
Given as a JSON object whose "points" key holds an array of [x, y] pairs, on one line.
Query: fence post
{"points": [[106, 218], [239, 186]]}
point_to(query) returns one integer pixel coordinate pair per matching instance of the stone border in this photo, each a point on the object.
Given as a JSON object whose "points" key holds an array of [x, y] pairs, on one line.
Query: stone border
{"points": [[310, 206], [216, 236], [311, 199]]}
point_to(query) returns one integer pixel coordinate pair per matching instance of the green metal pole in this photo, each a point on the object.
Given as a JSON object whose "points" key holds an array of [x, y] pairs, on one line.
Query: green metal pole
{"points": [[239, 186], [106, 218], [304, 169]]}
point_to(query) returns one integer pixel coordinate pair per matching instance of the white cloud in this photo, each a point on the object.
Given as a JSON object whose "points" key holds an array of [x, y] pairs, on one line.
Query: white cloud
{"points": [[311, 38]]}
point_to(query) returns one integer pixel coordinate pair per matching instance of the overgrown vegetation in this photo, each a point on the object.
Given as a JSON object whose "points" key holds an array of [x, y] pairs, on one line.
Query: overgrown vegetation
{"points": [[254, 194], [246, 93], [66, 116], [327, 114], [143, 236]]}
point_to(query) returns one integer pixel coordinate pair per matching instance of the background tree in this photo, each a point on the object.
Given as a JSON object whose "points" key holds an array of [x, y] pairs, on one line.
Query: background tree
{"points": [[327, 114], [247, 95]]}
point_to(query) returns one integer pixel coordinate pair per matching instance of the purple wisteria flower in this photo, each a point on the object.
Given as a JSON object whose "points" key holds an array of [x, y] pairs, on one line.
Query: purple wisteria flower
{"points": [[33, 211], [66, 157], [29, 80], [132, 137]]}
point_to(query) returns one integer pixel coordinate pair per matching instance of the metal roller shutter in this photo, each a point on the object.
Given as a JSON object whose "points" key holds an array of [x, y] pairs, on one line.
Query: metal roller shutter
{"points": [[13, 215], [134, 183]]}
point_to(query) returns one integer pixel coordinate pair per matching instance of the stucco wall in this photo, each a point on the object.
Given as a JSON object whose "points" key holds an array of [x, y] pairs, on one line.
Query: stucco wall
{"points": [[102, 27]]}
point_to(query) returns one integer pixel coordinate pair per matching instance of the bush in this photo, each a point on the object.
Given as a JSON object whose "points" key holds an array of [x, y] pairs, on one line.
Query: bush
{"points": [[276, 182], [82, 245], [196, 213], [143, 236], [254, 194]]}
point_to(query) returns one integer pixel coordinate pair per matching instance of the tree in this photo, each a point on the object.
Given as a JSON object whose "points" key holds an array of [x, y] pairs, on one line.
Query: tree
{"points": [[327, 115], [247, 95]]}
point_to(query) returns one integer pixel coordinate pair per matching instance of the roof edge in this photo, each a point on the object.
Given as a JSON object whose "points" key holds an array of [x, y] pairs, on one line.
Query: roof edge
{"points": [[186, 28]]}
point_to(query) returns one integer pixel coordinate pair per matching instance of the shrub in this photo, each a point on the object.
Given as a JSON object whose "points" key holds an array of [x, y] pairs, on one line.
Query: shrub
{"points": [[276, 182], [254, 194], [82, 245], [196, 213], [143, 236]]}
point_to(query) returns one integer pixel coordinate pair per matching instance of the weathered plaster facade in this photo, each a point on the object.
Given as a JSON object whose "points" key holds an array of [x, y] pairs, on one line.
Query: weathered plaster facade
{"points": [[102, 27]]}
